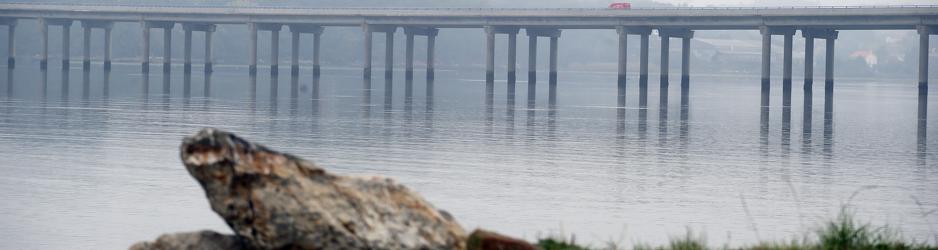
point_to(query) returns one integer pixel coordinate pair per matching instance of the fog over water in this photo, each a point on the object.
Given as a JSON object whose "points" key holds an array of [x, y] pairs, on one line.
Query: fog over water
{"points": [[85, 170]]}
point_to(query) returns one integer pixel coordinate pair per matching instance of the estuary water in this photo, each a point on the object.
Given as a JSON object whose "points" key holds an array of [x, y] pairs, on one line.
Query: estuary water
{"points": [[90, 160]]}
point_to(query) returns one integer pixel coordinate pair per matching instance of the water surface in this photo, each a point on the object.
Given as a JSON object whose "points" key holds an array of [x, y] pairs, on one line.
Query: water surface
{"points": [[90, 160]]}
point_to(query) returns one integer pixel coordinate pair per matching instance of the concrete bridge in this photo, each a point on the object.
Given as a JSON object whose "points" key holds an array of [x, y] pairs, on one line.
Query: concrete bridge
{"points": [[812, 22]]}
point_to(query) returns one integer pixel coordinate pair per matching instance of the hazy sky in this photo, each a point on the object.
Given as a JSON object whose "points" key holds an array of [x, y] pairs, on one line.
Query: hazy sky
{"points": [[796, 2]]}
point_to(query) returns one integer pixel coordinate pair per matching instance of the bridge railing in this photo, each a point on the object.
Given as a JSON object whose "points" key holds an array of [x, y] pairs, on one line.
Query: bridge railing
{"points": [[478, 8]]}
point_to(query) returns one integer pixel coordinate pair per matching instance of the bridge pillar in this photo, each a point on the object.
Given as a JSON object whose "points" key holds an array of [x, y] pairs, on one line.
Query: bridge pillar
{"points": [[829, 66], [145, 58], [491, 32], [533, 33], [829, 35], [685, 62], [430, 33], [86, 48], [665, 60], [643, 67], [274, 29], [297, 31], [767, 33], [275, 51], [203, 27], [366, 72], [389, 53], [786, 70], [252, 49], [766, 64], [44, 29], [389, 40], [623, 55], [532, 59], [489, 54], [924, 33], [512, 57], [167, 27], [167, 48], [409, 56], [187, 51], [209, 57], [87, 27], [107, 49], [316, 44], [294, 53], [552, 77], [808, 63], [11, 41], [431, 50], [66, 44]]}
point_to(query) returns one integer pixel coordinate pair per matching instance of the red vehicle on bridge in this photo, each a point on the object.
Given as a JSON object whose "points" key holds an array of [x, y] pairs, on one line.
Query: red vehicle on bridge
{"points": [[620, 6]]}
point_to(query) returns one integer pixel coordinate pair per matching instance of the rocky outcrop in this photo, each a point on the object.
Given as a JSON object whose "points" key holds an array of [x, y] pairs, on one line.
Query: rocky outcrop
{"points": [[202, 240], [486, 240], [274, 200]]}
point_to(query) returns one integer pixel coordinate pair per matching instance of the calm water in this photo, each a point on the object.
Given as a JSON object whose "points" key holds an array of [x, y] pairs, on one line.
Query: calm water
{"points": [[93, 169]]}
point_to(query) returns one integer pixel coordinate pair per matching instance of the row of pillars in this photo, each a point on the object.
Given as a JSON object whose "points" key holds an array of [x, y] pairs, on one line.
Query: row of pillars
{"points": [[665, 34], [410, 33], [188, 28], [829, 35], [533, 33], [106, 26], [512, 32]]}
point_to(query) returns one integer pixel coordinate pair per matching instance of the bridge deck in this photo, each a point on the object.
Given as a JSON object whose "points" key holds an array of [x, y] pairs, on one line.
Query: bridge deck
{"points": [[885, 17]]}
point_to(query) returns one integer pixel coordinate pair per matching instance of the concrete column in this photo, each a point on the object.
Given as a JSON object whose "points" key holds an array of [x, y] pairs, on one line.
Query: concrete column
{"points": [[145, 58], [512, 57], [252, 48], [409, 57], [786, 71], [44, 29], [167, 49], [665, 58], [316, 41], [11, 46], [532, 59], [808, 63], [552, 78], [685, 63], [924, 34], [66, 45], [829, 67], [489, 54], [107, 49], [431, 50], [295, 53], [208, 52], [275, 52], [643, 65], [623, 55], [187, 51], [367, 67], [389, 54], [766, 64], [86, 48]]}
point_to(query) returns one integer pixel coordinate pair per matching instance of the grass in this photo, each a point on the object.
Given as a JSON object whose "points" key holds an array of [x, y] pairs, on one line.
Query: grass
{"points": [[842, 233]]}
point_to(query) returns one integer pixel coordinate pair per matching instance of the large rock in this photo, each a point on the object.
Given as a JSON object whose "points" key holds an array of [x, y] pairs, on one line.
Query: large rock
{"points": [[202, 240], [275, 200], [487, 240]]}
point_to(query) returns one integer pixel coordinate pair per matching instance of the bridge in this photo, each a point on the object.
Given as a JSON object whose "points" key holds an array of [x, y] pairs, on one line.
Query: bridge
{"points": [[813, 23]]}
